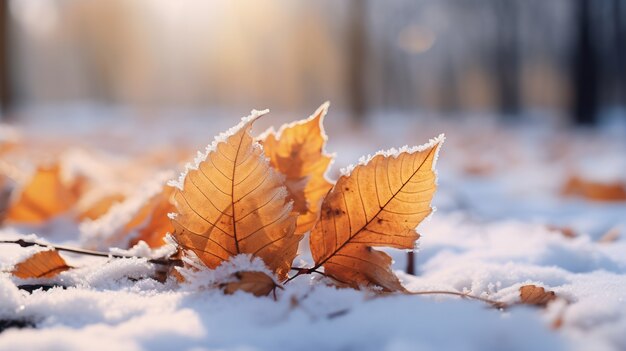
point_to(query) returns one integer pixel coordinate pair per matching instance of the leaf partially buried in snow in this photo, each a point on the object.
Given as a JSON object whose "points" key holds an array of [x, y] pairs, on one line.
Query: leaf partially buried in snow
{"points": [[378, 204], [151, 221], [232, 202], [256, 283], [535, 295], [46, 195], [297, 151], [43, 264]]}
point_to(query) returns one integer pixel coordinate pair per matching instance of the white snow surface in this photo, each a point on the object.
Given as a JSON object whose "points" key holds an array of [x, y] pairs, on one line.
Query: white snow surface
{"points": [[488, 238]]}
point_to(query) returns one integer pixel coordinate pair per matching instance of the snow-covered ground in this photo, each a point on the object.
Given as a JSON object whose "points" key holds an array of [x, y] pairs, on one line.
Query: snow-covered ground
{"points": [[499, 190]]}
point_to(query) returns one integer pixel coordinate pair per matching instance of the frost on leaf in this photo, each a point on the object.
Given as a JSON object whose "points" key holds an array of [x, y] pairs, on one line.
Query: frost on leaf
{"points": [[256, 283], [151, 222], [46, 195], [297, 151], [232, 202], [378, 204], [141, 216], [43, 264], [535, 295]]}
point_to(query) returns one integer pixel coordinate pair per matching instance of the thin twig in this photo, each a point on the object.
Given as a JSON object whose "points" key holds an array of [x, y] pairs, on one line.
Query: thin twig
{"points": [[496, 304], [24, 243]]}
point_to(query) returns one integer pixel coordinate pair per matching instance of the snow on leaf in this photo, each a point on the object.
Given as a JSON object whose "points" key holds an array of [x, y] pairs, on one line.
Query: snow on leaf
{"points": [[297, 151], [141, 216], [379, 203], [535, 295], [232, 202], [43, 264]]}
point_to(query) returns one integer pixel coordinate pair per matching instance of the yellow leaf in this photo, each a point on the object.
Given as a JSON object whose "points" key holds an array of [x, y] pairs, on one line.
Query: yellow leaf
{"points": [[43, 264], [256, 283], [297, 151], [378, 204], [234, 203], [45, 196]]}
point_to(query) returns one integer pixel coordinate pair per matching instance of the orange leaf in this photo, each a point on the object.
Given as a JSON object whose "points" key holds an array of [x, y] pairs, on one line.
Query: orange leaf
{"points": [[43, 264], [100, 207], [256, 283], [576, 186], [152, 222], [232, 202], [535, 295], [378, 204], [45, 196], [297, 151]]}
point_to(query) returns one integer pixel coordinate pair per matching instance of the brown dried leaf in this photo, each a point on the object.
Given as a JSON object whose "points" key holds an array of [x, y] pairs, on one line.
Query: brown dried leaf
{"points": [[596, 191], [297, 151], [235, 203], [43, 264], [100, 207], [45, 196], [567, 232], [256, 283], [151, 221], [378, 204], [535, 295]]}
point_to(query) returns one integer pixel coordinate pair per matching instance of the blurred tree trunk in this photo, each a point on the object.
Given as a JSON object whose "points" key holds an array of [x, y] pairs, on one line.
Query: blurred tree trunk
{"points": [[585, 75], [507, 57], [357, 41], [6, 100], [619, 22]]}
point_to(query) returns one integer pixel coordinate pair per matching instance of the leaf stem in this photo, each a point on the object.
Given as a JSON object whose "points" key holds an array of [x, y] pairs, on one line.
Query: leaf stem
{"points": [[494, 303], [25, 243]]}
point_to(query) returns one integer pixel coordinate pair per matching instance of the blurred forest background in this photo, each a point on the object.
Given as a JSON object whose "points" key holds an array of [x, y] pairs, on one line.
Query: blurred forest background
{"points": [[560, 60]]}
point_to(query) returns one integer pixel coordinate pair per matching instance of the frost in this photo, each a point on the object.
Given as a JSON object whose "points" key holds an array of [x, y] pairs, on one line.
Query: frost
{"points": [[201, 156], [393, 152]]}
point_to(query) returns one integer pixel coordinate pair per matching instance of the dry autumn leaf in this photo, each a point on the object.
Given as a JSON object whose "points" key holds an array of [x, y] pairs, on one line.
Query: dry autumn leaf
{"points": [[297, 151], [232, 202], [379, 204], [535, 295], [256, 283], [43, 264], [45, 196], [596, 191], [151, 222], [100, 207]]}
